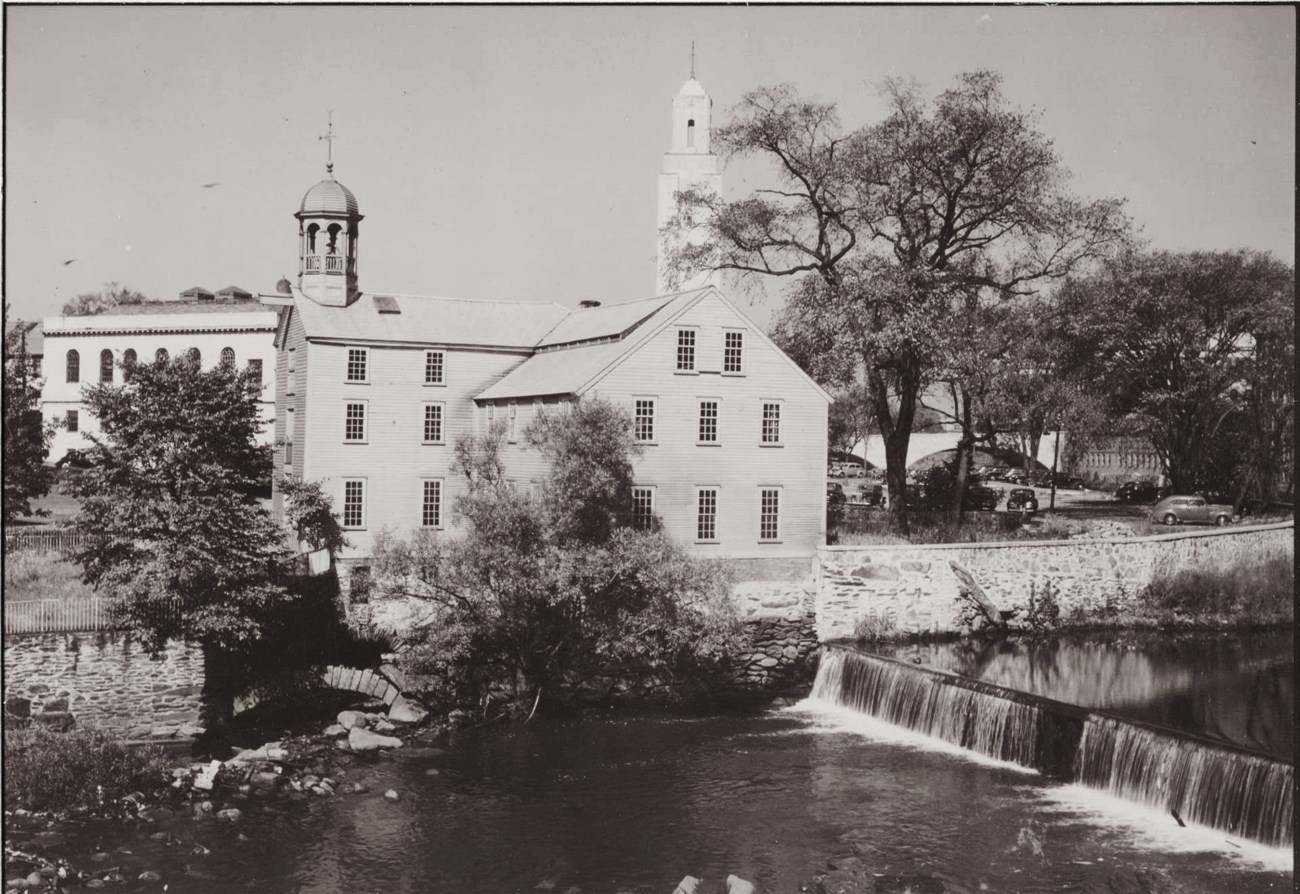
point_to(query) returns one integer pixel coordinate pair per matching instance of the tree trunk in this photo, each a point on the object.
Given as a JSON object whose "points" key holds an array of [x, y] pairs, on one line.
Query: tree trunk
{"points": [[965, 447], [896, 432]]}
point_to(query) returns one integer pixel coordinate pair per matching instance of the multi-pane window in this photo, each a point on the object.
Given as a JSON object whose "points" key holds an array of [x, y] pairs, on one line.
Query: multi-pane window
{"points": [[732, 356], [768, 513], [195, 355], [128, 357], [431, 505], [357, 363], [255, 367], [354, 504], [74, 366], [643, 508], [708, 422], [71, 421], [160, 355], [643, 422], [433, 423], [706, 519], [288, 453], [686, 350], [434, 362], [771, 423], [106, 366], [354, 422], [227, 356], [513, 416]]}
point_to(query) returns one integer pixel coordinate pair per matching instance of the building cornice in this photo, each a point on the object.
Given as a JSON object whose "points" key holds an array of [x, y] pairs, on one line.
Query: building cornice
{"points": [[153, 330]]}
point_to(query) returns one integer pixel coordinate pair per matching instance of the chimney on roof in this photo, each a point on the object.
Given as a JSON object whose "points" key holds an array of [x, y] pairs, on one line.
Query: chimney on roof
{"points": [[588, 303]]}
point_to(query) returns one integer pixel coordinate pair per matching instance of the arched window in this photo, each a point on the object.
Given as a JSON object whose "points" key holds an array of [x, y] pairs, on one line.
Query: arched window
{"points": [[311, 238], [74, 366], [128, 357], [160, 356], [227, 356], [106, 366], [194, 355], [690, 133], [333, 247]]}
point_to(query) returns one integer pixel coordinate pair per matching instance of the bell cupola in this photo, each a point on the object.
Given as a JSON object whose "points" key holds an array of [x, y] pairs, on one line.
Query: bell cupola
{"points": [[328, 227], [689, 164]]}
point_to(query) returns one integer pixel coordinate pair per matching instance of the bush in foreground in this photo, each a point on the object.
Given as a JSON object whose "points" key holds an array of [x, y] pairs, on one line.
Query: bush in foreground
{"points": [[45, 770], [1257, 591]]}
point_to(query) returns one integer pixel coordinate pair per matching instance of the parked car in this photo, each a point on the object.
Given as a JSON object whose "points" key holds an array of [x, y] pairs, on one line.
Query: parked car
{"points": [[847, 470], [1137, 492], [73, 459], [871, 494], [1015, 476], [1022, 500], [981, 498], [835, 492], [1189, 509]]}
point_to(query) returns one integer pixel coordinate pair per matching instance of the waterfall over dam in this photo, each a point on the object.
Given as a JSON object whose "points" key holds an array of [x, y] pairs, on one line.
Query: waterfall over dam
{"points": [[1215, 785]]}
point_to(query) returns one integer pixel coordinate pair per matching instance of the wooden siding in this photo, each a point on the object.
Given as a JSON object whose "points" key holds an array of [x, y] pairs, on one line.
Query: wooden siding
{"points": [[290, 400], [739, 466], [394, 462]]}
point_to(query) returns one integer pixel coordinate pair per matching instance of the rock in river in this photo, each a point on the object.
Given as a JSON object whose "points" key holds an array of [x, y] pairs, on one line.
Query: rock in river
{"points": [[363, 740]]}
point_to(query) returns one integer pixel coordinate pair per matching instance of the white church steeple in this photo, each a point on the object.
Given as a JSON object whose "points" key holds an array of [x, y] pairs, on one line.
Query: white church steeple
{"points": [[689, 163]]}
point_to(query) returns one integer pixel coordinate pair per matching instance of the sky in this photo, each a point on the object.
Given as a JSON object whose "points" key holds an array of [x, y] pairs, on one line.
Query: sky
{"points": [[512, 153]]}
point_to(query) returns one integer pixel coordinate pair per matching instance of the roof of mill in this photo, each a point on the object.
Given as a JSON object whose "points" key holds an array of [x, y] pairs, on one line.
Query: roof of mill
{"points": [[188, 306], [602, 322], [443, 321]]}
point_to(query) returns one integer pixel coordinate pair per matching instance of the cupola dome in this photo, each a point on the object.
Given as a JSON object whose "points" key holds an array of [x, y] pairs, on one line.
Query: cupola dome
{"points": [[329, 197]]}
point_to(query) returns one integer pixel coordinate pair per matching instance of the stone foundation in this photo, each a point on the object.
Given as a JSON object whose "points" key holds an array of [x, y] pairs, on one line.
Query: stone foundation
{"points": [[912, 589], [109, 680]]}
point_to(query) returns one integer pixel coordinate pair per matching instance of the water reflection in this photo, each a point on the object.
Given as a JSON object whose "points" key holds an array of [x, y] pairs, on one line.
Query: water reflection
{"points": [[1237, 688]]}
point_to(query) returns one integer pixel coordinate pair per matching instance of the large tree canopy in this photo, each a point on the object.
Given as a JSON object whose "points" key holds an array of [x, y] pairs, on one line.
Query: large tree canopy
{"points": [[1185, 342], [26, 436], [893, 230], [174, 530]]}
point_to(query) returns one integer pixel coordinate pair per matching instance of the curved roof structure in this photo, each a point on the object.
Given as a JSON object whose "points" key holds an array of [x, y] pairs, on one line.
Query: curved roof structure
{"points": [[329, 197]]}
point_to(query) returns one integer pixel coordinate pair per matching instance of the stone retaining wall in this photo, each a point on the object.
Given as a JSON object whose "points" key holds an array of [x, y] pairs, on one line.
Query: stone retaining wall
{"points": [[912, 589], [109, 680]]}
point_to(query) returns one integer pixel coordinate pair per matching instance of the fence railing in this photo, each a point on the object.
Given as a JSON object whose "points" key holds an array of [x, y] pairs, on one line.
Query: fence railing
{"points": [[46, 540], [58, 616], [84, 615]]}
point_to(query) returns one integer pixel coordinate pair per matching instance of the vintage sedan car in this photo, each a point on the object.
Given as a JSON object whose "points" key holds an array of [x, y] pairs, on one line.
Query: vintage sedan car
{"points": [[1137, 491], [848, 470], [1189, 509], [982, 498], [1022, 500]]}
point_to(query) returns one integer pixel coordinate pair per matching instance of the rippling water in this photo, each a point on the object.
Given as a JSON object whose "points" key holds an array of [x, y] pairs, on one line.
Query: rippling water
{"points": [[633, 804]]}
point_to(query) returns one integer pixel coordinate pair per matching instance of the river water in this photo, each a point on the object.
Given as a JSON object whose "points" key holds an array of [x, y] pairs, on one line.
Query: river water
{"points": [[632, 804]]}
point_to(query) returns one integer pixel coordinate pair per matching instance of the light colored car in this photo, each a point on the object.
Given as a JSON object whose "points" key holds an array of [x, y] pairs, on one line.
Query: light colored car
{"points": [[1184, 509], [847, 470]]}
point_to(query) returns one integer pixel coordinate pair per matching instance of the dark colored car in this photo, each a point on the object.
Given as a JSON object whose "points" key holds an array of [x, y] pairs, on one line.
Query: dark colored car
{"points": [[871, 494], [982, 498], [1015, 476], [835, 493], [1022, 500], [1137, 492]]}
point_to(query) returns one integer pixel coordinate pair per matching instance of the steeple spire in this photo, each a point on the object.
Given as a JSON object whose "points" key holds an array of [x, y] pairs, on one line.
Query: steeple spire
{"points": [[692, 59], [328, 137]]}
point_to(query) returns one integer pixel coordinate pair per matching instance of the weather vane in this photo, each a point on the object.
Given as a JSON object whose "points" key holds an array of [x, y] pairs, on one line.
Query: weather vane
{"points": [[328, 137]]}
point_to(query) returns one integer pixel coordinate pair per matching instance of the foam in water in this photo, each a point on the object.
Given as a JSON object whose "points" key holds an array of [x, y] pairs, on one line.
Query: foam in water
{"points": [[1246, 795]]}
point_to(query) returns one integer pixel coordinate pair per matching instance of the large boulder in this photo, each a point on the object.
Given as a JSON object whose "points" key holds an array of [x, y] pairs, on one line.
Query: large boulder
{"points": [[351, 719], [361, 739], [403, 710]]}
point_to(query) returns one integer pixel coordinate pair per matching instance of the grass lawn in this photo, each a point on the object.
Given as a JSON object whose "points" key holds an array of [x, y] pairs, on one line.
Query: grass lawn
{"points": [[32, 575], [59, 504]]}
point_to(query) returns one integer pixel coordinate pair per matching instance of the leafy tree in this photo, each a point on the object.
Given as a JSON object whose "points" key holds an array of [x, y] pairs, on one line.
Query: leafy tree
{"points": [[1185, 342], [849, 419], [174, 533], [26, 435], [890, 228], [309, 512], [89, 304], [541, 594]]}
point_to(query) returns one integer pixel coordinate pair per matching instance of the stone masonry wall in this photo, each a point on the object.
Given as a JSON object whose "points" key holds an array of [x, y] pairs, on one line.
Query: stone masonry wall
{"points": [[109, 680], [912, 589]]}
